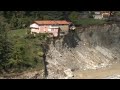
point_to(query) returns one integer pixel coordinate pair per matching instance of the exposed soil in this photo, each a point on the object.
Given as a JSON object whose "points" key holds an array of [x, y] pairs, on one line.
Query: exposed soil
{"points": [[104, 73], [91, 54]]}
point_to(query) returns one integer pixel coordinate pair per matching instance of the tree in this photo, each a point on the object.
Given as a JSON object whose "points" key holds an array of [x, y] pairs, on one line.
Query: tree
{"points": [[51, 15], [13, 22], [20, 19], [74, 16], [5, 47], [66, 14]]}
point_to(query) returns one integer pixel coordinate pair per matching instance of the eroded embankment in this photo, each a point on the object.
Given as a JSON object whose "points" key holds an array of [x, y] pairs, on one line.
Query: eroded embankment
{"points": [[92, 47]]}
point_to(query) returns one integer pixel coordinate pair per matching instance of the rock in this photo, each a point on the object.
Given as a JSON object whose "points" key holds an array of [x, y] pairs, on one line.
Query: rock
{"points": [[69, 73]]}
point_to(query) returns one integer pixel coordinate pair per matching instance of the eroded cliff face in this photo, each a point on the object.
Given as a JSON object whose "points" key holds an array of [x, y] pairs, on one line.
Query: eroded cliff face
{"points": [[92, 47]]}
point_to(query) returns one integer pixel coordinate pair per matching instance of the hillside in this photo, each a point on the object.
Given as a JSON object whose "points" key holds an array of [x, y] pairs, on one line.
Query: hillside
{"points": [[89, 52], [91, 48]]}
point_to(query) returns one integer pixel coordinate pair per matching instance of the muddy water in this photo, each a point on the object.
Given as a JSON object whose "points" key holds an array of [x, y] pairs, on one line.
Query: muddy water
{"points": [[99, 73]]}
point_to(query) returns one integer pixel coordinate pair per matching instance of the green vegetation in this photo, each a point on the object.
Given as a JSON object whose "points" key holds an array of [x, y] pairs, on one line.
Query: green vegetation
{"points": [[18, 32], [89, 21], [20, 51], [75, 17], [6, 47]]}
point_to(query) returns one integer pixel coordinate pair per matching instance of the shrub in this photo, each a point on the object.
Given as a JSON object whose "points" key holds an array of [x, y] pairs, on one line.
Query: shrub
{"points": [[25, 55], [29, 36], [28, 31]]}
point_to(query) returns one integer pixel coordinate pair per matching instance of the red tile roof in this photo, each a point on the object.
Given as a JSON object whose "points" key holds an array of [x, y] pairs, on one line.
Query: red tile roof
{"points": [[52, 22]]}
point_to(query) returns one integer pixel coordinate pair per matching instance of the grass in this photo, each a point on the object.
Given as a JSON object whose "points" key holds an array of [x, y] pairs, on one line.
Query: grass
{"points": [[89, 21], [18, 32]]}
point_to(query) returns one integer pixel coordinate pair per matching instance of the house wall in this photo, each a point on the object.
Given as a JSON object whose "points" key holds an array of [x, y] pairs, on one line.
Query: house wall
{"points": [[98, 17], [102, 15], [40, 29], [97, 13], [43, 28], [55, 31], [47, 29], [106, 15], [34, 30], [64, 27]]}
